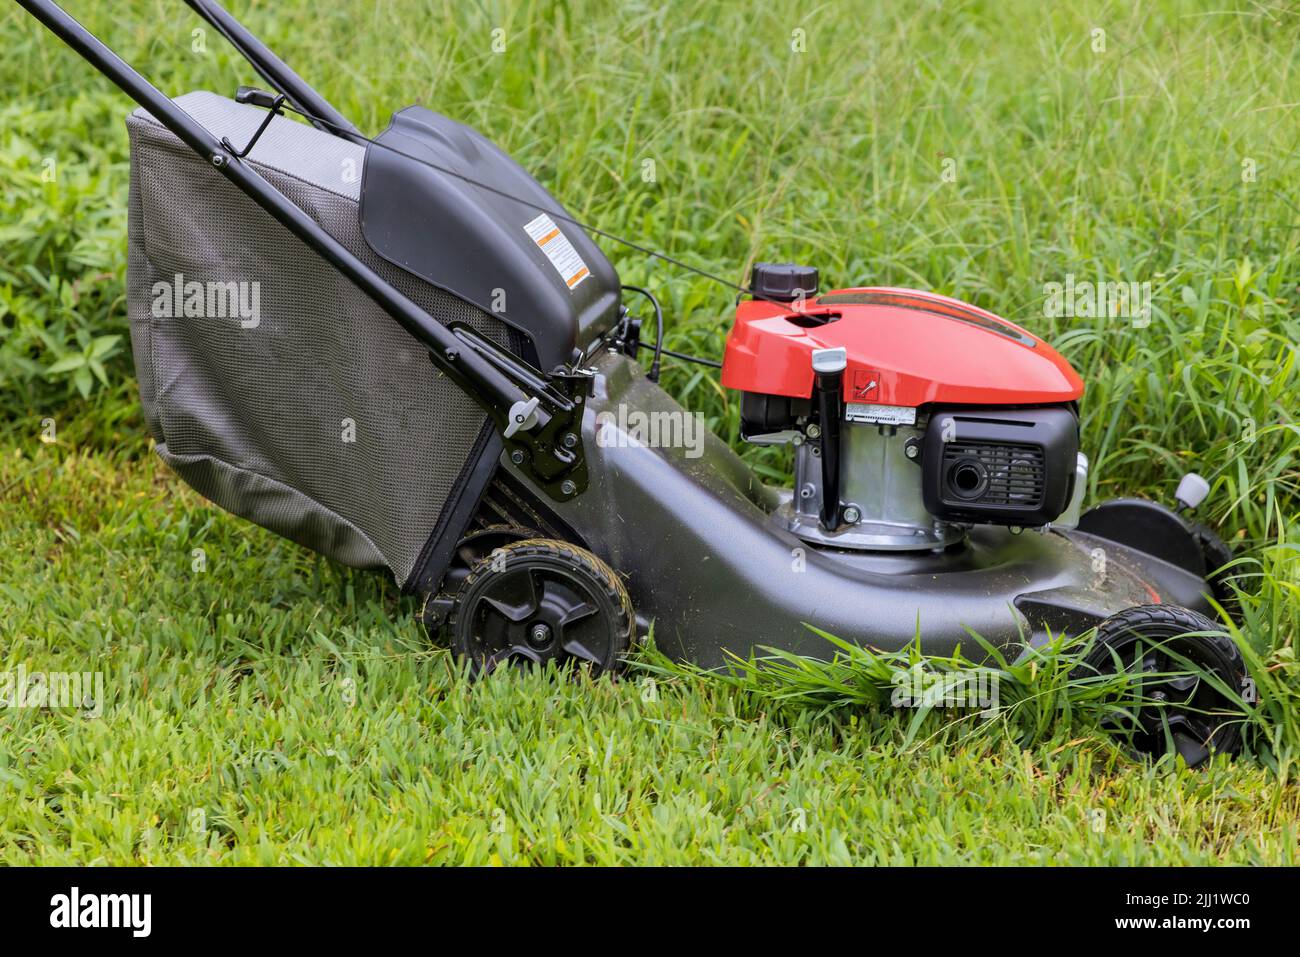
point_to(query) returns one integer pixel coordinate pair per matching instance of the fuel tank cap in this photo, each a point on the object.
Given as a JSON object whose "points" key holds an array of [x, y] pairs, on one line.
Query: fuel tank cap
{"points": [[784, 282]]}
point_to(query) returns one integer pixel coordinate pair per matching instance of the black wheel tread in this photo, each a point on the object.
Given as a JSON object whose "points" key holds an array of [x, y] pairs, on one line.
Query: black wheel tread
{"points": [[1164, 622], [1180, 620], [598, 571]]}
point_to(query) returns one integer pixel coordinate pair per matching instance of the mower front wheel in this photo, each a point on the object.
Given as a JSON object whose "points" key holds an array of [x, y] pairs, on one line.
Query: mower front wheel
{"points": [[1189, 686], [540, 600]]}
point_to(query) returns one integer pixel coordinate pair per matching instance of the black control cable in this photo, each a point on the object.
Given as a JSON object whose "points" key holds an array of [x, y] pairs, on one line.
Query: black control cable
{"points": [[653, 374], [660, 351], [699, 360]]}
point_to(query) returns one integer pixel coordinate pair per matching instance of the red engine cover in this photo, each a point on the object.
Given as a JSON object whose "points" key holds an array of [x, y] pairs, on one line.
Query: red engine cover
{"points": [[905, 348]]}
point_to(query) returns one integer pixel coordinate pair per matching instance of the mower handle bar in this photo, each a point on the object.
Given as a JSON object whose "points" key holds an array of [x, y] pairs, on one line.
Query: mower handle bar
{"points": [[473, 370], [319, 112]]}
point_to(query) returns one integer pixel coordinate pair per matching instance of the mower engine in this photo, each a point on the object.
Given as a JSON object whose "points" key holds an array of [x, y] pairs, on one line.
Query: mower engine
{"points": [[913, 415]]}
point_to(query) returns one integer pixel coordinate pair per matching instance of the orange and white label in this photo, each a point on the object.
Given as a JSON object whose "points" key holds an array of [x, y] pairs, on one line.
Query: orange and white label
{"points": [[558, 249]]}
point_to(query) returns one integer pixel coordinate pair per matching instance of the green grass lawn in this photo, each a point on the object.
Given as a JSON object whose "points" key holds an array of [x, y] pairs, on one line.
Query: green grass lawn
{"points": [[275, 708], [265, 706]]}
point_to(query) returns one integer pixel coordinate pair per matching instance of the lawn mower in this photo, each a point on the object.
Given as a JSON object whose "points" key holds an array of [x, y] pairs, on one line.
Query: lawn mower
{"points": [[404, 353]]}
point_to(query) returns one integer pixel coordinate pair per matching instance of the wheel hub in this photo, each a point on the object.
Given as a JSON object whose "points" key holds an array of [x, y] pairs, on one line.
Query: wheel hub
{"points": [[539, 636], [533, 615], [1167, 705]]}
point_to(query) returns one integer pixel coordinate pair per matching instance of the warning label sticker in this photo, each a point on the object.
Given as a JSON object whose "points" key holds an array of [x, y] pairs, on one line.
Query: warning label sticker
{"points": [[558, 250], [880, 414]]}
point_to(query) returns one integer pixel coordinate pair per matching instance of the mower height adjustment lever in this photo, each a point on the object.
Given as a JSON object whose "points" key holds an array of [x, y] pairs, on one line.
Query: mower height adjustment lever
{"points": [[542, 431]]}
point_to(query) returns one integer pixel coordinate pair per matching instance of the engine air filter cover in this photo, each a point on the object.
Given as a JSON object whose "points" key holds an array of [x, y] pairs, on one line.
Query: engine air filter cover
{"points": [[1002, 466]]}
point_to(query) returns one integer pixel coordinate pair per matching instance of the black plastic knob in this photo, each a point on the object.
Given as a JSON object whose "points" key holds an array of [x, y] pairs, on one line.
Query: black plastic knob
{"points": [[784, 282]]}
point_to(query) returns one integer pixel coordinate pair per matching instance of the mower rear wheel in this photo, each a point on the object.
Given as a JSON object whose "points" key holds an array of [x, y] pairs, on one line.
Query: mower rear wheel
{"points": [[473, 547], [541, 600], [1179, 700], [1217, 553]]}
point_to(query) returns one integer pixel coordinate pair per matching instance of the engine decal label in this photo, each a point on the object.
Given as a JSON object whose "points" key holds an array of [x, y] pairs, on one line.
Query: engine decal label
{"points": [[865, 382], [558, 250], [880, 414]]}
